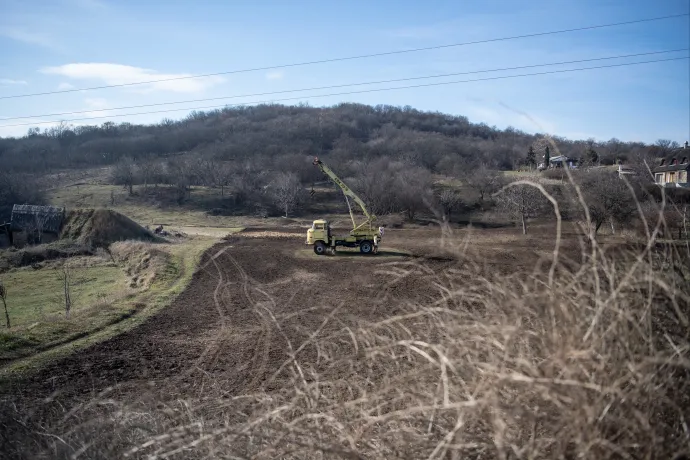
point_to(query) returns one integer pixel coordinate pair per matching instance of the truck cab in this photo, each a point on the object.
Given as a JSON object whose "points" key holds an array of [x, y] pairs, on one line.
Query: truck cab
{"points": [[320, 231]]}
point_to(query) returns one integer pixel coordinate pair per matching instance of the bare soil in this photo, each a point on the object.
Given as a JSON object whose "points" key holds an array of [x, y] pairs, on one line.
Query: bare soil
{"points": [[249, 301]]}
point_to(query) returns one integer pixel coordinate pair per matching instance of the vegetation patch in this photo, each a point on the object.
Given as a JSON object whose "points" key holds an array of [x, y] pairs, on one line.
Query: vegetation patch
{"points": [[36, 256], [38, 311], [105, 303]]}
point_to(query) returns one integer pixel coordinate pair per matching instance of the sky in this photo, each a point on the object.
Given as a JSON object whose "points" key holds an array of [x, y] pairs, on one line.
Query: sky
{"points": [[63, 45]]}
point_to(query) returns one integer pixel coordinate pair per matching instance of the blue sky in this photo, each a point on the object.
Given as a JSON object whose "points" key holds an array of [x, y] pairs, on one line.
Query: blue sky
{"points": [[64, 44]]}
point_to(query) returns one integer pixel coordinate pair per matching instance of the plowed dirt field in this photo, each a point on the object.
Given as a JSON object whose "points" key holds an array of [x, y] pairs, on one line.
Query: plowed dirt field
{"points": [[250, 301]]}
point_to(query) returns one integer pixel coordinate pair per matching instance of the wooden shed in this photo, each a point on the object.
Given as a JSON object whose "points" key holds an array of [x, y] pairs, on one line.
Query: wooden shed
{"points": [[32, 224]]}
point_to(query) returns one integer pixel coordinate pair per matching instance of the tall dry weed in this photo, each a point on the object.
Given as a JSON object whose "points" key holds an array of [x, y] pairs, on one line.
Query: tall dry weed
{"points": [[575, 359]]}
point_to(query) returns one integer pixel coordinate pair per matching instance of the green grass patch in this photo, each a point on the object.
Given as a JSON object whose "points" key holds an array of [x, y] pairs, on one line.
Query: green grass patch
{"points": [[36, 305], [25, 349]]}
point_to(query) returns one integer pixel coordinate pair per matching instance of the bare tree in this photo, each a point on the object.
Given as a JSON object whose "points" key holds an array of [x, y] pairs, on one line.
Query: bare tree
{"points": [[66, 278], [522, 202], [39, 224], [3, 296], [608, 198], [413, 190], [375, 183], [222, 175], [150, 172], [484, 180], [124, 172], [285, 190], [449, 200]]}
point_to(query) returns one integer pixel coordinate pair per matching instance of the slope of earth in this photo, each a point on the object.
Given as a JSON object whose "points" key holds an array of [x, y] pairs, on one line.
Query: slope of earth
{"points": [[251, 302]]}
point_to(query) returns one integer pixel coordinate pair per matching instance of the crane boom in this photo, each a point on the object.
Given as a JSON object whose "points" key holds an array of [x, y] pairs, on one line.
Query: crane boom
{"points": [[348, 193]]}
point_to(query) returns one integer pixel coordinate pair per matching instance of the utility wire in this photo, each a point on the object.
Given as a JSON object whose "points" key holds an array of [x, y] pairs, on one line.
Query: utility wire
{"points": [[362, 56], [354, 92], [345, 85]]}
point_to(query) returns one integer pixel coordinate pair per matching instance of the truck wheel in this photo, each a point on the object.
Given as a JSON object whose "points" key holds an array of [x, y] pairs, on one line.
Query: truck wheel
{"points": [[365, 247], [319, 248]]}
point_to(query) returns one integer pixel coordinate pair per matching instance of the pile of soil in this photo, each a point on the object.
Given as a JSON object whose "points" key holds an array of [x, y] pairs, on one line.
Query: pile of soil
{"points": [[102, 227]]}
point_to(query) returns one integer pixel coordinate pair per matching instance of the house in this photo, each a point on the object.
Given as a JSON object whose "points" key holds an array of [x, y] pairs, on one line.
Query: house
{"points": [[35, 224], [560, 161], [672, 170]]}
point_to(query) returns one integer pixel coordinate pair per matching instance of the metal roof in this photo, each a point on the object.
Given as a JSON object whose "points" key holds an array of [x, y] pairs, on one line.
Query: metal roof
{"points": [[26, 217]]}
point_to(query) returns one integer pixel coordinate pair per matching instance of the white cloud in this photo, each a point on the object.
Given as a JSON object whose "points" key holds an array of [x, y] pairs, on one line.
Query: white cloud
{"points": [[32, 38], [19, 131], [505, 116], [10, 82], [118, 74], [65, 86], [278, 75], [96, 103]]}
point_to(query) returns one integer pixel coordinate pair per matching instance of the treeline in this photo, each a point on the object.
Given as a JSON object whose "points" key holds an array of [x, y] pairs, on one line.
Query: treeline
{"points": [[259, 158], [438, 142]]}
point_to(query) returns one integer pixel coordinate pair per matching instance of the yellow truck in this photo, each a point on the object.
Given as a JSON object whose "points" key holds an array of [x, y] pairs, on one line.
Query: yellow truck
{"points": [[364, 235]]}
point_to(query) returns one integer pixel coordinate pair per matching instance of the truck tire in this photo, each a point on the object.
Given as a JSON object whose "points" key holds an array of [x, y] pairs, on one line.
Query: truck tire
{"points": [[319, 248], [366, 247]]}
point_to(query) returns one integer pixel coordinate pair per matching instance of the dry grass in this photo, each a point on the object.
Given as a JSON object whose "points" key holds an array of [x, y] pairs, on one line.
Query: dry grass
{"points": [[142, 262], [584, 358]]}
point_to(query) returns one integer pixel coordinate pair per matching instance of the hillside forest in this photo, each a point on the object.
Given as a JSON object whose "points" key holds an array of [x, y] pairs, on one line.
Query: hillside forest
{"points": [[390, 155]]}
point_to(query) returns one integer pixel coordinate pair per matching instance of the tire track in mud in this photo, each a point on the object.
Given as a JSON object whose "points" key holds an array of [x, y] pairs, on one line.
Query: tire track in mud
{"points": [[249, 308]]}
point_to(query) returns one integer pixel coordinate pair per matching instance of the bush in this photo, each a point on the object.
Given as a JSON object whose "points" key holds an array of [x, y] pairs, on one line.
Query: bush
{"points": [[555, 173]]}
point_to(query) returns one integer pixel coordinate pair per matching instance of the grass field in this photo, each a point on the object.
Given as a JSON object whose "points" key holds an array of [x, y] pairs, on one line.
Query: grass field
{"points": [[105, 303]]}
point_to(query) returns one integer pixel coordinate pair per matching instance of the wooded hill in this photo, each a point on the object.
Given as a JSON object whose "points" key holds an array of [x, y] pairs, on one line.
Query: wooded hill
{"points": [[435, 141]]}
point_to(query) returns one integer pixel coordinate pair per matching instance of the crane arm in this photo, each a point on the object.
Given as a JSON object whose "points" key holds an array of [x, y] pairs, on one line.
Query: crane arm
{"points": [[346, 191]]}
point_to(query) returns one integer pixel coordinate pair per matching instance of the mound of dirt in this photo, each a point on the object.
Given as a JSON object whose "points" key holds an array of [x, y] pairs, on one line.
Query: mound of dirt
{"points": [[102, 227]]}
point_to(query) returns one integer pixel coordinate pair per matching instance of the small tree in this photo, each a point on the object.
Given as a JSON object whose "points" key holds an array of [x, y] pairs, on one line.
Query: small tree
{"points": [[151, 172], [608, 198], [286, 189], [531, 159], [484, 181], [222, 176], [66, 278], [547, 156], [3, 296], [413, 190], [522, 202], [449, 200], [124, 172]]}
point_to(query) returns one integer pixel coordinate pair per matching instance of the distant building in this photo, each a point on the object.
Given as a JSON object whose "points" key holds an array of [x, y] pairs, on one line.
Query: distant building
{"points": [[559, 161], [32, 224], [672, 170], [626, 171]]}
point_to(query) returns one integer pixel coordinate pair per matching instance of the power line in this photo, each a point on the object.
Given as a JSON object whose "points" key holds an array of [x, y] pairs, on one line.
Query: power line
{"points": [[353, 92], [362, 56], [345, 85]]}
